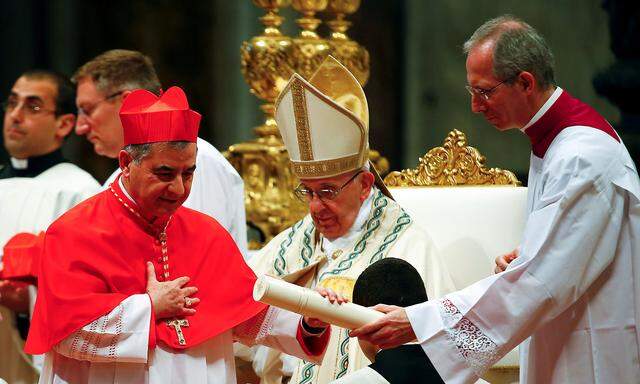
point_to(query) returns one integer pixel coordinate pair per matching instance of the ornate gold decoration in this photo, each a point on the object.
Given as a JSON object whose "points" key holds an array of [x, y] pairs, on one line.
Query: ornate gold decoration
{"points": [[266, 62], [351, 54], [380, 162], [263, 163], [454, 163], [325, 168], [302, 122], [177, 325], [309, 50], [268, 186]]}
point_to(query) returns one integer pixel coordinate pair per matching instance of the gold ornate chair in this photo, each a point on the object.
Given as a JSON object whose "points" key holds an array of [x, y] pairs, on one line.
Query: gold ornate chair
{"points": [[472, 214]]}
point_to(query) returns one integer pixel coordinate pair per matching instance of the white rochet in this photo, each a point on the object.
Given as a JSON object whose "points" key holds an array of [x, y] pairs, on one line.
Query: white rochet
{"points": [[308, 302]]}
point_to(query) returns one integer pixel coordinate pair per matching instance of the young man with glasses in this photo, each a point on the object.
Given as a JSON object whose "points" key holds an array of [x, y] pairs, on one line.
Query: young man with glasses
{"points": [[36, 186], [571, 292], [39, 113], [103, 83], [352, 220]]}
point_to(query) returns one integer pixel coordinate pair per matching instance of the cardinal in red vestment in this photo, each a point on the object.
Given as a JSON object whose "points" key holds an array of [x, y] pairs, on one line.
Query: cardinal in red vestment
{"points": [[133, 287]]}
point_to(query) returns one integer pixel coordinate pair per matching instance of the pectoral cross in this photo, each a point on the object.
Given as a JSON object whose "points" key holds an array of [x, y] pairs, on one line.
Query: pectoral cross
{"points": [[177, 324]]}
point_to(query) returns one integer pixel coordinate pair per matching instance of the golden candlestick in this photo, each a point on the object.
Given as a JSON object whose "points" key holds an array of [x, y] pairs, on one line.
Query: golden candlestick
{"points": [[263, 163], [354, 56], [266, 61], [309, 49]]}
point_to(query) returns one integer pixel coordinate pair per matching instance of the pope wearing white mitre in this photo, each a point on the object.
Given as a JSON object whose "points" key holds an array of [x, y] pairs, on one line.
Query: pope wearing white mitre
{"points": [[352, 220]]}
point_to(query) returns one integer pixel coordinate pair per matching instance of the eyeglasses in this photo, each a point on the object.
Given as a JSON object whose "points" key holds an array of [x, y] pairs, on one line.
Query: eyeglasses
{"points": [[305, 194], [86, 112], [486, 93], [31, 107]]}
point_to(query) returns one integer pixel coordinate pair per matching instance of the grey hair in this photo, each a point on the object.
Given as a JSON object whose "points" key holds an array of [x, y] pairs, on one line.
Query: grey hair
{"points": [[518, 47], [139, 151]]}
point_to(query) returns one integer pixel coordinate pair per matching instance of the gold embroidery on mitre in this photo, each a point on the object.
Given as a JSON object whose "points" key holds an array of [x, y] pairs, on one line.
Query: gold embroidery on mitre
{"points": [[336, 88], [325, 168], [302, 120], [363, 145], [336, 82]]}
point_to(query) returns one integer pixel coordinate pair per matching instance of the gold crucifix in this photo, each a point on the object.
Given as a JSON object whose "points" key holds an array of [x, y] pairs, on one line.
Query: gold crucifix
{"points": [[177, 324]]}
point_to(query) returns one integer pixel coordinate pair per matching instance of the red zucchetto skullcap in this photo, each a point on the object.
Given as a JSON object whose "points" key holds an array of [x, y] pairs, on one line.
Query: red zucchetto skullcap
{"points": [[147, 118]]}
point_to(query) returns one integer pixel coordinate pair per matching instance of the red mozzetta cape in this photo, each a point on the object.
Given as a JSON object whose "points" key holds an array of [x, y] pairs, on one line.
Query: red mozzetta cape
{"points": [[567, 111], [95, 257]]}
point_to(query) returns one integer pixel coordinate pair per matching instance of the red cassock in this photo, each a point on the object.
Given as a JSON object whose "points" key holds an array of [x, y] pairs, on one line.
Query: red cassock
{"points": [[95, 256]]}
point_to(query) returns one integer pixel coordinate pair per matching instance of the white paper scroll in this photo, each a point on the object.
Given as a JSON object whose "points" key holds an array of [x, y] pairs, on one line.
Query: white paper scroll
{"points": [[307, 302]]}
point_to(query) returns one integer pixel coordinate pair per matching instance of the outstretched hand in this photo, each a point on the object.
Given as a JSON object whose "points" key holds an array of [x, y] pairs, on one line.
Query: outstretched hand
{"points": [[390, 331], [170, 298]]}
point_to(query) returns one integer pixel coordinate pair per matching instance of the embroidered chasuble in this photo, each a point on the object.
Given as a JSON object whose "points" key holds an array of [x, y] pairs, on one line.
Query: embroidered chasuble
{"points": [[297, 255]]}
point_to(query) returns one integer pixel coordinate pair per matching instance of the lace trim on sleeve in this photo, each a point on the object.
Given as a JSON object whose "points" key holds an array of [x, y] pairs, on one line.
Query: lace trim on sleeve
{"points": [[254, 330], [479, 351]]}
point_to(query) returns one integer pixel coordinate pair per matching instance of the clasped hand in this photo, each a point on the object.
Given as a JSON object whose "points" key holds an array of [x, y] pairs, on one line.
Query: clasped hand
{"points": [[170, 298]]}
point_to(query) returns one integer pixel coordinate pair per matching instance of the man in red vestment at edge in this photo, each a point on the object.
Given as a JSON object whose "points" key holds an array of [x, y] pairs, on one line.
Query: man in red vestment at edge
{"points": [[134, 288]]}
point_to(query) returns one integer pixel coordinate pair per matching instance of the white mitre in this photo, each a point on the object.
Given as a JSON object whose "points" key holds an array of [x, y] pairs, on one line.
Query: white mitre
{"points": [[324, 123]]}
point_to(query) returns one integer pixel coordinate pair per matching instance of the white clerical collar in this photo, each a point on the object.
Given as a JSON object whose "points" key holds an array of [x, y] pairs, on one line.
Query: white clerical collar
{"points": [[124, 190], [19, 163], [545, 107], [346, 240]]}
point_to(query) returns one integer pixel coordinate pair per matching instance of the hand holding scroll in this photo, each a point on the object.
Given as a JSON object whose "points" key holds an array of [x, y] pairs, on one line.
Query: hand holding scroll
{"points": [[333, 298], [309, 303], [390, 331]]}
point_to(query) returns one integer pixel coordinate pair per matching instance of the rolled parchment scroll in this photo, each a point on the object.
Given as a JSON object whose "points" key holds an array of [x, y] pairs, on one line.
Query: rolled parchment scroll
{"points": [[307, 302]]}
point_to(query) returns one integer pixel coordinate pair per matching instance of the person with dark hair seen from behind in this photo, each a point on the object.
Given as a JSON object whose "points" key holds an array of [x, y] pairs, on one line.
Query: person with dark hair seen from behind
{"points": [[391, 281], [102, 84], [569, 295]]}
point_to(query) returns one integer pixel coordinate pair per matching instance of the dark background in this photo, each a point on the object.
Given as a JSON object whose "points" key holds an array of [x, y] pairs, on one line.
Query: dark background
{"points": [[415, 90]]}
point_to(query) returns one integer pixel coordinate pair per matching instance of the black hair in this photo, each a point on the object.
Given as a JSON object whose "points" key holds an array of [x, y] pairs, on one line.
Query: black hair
{"points": [[65, 99], [389, 281]]}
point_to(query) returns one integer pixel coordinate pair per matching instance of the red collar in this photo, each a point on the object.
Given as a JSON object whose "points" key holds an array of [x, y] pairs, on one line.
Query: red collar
{"points": [[566, 111]]}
